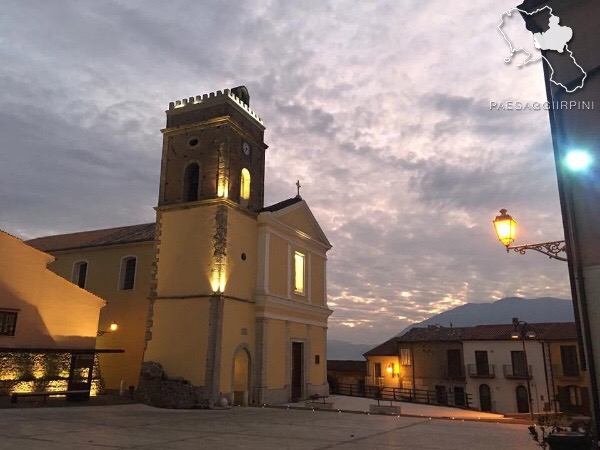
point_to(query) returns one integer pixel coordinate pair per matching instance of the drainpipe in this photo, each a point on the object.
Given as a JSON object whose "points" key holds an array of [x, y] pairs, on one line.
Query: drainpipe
{"points": [[551, 379], [412, 360]]}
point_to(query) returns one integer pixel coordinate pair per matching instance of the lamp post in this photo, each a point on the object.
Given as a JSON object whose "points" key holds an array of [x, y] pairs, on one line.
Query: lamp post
{"points": [[506, 228], [522, 333]]}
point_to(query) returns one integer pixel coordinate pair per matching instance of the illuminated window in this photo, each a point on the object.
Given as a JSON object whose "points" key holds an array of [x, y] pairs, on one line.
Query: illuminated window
{"points": [[299, 273], [79, 277], [245, 185], [191, 183], [127, 278], [8, 323], [405, 357]]}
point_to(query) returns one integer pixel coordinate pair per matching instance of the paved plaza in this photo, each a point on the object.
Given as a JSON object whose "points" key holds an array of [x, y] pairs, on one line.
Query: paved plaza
{"points": [[361, 404], [143, 427]]}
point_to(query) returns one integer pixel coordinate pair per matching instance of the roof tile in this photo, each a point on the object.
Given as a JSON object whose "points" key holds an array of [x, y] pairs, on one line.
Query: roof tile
{"points": [[95, 238]]}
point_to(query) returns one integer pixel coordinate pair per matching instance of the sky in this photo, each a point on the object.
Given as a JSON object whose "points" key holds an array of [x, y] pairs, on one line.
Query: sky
{"points": [[380, 109]]}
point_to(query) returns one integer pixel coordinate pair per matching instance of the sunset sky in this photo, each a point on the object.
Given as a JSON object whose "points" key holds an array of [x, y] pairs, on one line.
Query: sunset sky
{"points": [[380, 109]]}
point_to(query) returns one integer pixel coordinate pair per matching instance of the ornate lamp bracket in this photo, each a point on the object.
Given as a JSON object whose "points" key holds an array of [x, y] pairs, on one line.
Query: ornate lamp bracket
{"points": [[551, 249]]}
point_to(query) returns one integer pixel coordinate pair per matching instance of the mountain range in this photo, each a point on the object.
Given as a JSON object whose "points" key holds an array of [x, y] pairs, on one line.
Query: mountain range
{"points": [[546, 309]]}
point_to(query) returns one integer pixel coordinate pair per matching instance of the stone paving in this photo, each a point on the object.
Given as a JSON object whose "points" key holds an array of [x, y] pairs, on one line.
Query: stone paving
{"points": [[143, 427]]}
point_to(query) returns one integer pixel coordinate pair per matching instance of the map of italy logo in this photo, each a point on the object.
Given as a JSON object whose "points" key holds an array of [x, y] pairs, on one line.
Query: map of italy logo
{"points": [[555, 38]]}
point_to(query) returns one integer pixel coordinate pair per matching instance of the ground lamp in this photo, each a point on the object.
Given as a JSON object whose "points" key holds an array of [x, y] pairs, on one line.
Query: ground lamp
{"points": [[521, 332], [506, 228], [113, 327]]}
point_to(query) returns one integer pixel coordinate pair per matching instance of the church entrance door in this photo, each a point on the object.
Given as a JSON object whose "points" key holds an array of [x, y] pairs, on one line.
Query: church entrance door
{"points": [[241, 374], [297, 369]]}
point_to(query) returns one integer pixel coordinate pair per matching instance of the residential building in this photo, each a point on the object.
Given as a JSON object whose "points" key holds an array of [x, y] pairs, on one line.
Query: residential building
{"points": [[498, 366], [48, 326], [569, 382], [220, 290], [422, 359]]}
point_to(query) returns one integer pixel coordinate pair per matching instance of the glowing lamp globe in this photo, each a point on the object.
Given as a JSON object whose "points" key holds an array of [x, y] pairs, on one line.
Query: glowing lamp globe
{"points": [[505, 227], [114, 326], [577, 160]]}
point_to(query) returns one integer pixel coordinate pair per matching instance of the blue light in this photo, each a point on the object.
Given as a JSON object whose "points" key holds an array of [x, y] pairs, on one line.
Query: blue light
{"points": [[577, 160]]}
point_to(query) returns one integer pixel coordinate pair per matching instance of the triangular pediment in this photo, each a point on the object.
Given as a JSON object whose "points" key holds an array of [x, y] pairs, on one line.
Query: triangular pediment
{"points": [[299, 217]]}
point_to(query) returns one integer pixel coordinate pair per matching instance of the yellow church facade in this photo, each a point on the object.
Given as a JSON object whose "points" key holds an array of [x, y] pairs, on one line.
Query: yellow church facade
{"points": [[222, 291]]}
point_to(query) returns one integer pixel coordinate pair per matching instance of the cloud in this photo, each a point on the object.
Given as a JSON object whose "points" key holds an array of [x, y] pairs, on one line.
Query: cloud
{"points": [[380, 109]]}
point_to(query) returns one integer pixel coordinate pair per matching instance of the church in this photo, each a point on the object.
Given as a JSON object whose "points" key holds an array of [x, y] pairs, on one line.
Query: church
{"points": [[221, 290]]}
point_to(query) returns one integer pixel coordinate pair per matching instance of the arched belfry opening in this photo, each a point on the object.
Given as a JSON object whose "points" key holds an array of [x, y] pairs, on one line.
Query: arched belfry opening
{"points": [[191, 182], [244, 187]]}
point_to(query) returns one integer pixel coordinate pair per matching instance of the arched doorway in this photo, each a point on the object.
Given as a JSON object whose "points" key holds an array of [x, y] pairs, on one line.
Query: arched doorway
{"points": [[522, 399], [241, 377], [485, 398]]}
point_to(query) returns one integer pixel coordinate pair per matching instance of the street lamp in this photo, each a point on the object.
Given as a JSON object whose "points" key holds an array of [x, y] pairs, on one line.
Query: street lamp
{"points": [[506, 228], [521, 332], [113, 327]]}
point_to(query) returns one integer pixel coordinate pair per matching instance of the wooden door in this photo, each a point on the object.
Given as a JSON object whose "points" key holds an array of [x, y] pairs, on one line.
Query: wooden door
{"points": [[297, 369]]}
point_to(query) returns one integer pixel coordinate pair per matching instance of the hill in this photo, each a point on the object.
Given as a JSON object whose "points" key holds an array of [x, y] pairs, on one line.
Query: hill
{"points": [[346, 350], [546, 309]]}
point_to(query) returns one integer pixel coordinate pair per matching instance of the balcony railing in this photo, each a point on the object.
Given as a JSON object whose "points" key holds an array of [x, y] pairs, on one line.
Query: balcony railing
{"points": [[371, 380], [566, 373], [454, 373], [516, 372], [481, 371]]}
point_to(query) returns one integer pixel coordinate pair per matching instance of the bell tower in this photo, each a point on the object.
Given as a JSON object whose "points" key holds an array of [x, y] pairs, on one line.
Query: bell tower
{"points": [[201, 316], [213, 147]]}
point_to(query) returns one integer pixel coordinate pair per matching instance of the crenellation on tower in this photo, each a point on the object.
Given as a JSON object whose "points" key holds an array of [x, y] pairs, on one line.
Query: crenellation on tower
{"points": [[217, 97]]}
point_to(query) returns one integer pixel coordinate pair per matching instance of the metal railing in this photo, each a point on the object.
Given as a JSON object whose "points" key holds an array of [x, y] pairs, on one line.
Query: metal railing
{"points": [[430, 397], [454, 373], [481, 371], [566, 373], [516, 372], [374, 381]]}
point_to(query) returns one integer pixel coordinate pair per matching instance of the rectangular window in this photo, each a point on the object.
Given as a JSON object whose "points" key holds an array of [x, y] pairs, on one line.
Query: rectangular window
{"points": [[405, 357], [454, 363], [574, 395], [518, 363], [568, 358], [481, 362], [128, 273], [80, 273], [8, 323], [299, 273], [377, 370]]}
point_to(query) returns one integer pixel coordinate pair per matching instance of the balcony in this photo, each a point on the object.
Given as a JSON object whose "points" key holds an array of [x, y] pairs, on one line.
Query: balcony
{"points": [[454, 373], [516, 372], [481, 371], [374, 381], [561, 372]]}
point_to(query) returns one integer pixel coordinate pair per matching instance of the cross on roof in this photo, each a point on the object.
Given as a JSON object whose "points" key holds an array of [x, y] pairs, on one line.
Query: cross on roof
{"points": [[298, 186]]}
